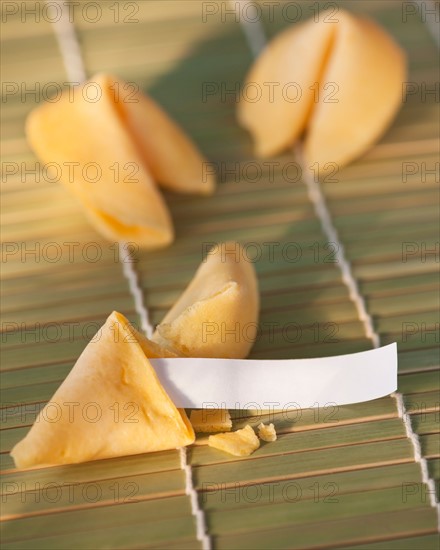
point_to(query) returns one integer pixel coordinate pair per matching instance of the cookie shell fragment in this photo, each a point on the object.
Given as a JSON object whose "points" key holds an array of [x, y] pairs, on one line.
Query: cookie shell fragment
{"points": [[239, 443], [210, 420], [267, 432]]}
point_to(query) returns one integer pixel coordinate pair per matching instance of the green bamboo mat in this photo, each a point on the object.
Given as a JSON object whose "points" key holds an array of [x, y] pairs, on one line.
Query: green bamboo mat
{"points": [[341, 477]]}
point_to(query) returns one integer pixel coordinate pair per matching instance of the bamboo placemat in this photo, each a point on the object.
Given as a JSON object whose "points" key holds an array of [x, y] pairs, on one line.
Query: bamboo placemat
{"points": [[336, 477]]}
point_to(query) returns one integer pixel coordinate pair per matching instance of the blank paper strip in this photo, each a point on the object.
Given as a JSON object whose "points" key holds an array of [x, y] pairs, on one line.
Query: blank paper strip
{"points": [[282, 383]]}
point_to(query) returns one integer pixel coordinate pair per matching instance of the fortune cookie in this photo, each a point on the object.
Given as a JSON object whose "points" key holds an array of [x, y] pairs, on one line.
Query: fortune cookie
{"points": [[337, 80], [111, 145], [111, 404], [217, 314]]}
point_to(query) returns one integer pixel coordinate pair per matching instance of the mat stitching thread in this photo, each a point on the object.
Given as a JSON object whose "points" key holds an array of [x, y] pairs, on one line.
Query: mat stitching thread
{"points": [[135, 289], [319, 203], [197, 512], [75, 69]]}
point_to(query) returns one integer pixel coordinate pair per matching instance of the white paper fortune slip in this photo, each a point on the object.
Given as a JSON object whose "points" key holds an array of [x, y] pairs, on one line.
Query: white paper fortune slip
{"points": [[279, 383]]}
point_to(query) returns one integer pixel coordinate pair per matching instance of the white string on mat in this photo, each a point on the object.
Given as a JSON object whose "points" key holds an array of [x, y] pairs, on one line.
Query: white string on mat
{"points": [[322, 212], [430, 15], [67, 39], [317, 198], [74, 65], [251, 24], [197, 512], [135, 289], [403, 414], [70, 49]]}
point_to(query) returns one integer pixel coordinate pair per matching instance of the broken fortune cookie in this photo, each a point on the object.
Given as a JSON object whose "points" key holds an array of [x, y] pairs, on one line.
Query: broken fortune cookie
{"points": [[338, 79], [239, 443], [111, 404], [211, 420], [217, 314], [113, 146]]}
